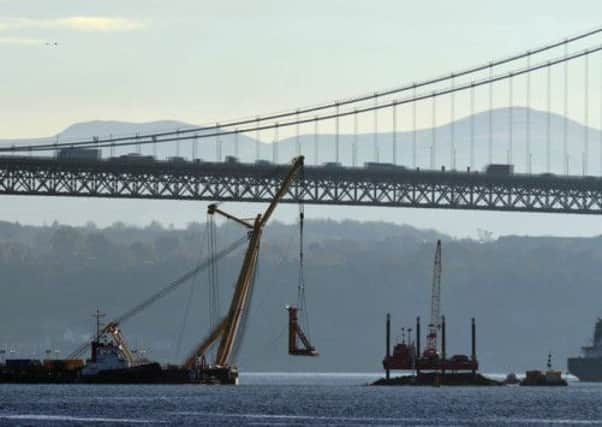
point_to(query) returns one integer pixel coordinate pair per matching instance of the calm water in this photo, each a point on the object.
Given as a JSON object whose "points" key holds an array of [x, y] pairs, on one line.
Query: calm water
{"points": [[315, 400]]}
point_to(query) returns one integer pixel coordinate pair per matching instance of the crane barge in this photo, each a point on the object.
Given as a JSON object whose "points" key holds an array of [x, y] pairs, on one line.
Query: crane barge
{"points": [[111, 359]]}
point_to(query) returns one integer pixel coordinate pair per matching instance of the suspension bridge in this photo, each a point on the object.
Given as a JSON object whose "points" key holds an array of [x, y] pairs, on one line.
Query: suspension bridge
{"points": [[424, 144]]}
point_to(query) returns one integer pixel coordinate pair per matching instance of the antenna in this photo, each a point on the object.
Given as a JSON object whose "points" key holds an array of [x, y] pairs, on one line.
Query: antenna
{"points": [[98, 315]]}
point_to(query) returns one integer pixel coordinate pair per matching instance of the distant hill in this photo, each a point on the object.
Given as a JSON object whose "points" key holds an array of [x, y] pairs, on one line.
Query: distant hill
{"points": [[116, 128], [507, 124], [530, 296]]}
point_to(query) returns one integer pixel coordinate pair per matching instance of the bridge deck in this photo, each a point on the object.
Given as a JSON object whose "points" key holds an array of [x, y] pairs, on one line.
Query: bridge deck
{"points": [[333, 185]]}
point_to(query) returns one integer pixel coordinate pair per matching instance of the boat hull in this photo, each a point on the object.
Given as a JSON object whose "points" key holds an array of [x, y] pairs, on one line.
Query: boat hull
{"points": [[587, 369], [151, 373]]}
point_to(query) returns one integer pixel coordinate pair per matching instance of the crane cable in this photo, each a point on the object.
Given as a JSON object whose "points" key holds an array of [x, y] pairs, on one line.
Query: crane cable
{"points": [[193, 284], [301, 301], [214, 296], [164, 291]]}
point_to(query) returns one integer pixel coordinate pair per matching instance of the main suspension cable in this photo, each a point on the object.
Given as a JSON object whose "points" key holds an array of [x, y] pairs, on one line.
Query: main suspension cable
{"points": [[149, 139]]}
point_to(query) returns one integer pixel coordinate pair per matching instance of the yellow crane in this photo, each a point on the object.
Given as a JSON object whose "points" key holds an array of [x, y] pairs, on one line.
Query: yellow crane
{"points": [[226, 330]]}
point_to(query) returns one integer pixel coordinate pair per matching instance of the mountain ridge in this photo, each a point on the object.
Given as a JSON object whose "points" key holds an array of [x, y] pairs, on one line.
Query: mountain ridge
{"points": [[503, 131]]}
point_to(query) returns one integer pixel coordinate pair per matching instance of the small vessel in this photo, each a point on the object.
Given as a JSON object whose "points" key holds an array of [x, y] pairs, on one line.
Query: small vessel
{"points": [[550, 377], [109, 364], [588, 366], [511, 379]]}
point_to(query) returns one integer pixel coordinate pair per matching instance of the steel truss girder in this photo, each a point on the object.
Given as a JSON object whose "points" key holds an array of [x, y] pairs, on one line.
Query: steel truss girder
{"points": [[332, 185]]}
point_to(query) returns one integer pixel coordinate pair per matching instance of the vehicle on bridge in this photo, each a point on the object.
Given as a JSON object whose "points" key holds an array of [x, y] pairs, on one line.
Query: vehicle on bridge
{"points": [[263, 163], [176, 159], [78, 154], [132, 158], [499, 169], [384, 166]]}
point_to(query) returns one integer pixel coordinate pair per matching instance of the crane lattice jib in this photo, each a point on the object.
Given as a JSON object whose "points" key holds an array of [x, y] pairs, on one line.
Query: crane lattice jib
{"points": [[240, 297], [242, 290], [435, 323]]}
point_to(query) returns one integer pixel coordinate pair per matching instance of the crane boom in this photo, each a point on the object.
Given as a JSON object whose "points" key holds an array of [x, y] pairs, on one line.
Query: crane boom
{"points": [[115, 333], [435, 324], [286, 183], [229, 327], [240, 297]]}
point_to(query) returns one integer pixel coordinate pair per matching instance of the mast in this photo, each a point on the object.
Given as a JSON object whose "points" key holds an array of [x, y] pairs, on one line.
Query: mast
{"points": [[98, 315]]}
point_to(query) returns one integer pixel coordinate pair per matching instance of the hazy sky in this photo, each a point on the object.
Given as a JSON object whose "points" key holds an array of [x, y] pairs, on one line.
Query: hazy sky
{"points": [[201, 61]]}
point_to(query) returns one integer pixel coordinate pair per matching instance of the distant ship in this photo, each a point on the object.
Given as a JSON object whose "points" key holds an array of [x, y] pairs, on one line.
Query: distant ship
{"points": [[588, 367]]}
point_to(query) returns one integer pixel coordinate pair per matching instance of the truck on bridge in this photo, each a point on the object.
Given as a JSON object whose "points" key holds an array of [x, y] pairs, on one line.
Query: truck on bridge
{"points": [[78, 154], [499, 169]]}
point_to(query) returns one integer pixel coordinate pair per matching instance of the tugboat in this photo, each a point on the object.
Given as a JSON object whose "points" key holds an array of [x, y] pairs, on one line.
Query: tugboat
{"points": [[109, 364], [548, 378], [112, 362]]}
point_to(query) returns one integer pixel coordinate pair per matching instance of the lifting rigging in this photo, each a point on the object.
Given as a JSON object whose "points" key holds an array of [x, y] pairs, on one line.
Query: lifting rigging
{"points": [[296, 334]]}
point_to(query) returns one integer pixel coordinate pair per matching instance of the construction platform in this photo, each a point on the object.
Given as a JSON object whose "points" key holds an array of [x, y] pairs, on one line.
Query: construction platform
{"points": [[438, 379]]}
